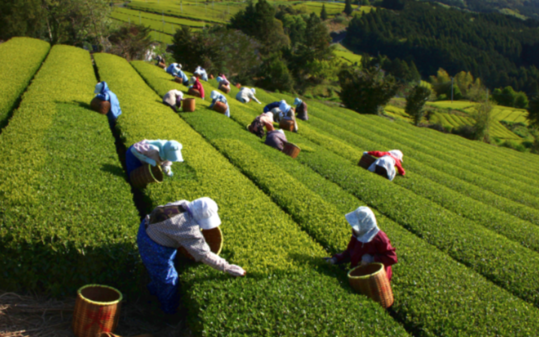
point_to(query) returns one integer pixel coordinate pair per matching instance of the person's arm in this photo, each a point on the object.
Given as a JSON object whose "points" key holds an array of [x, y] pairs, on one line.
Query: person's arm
{"points": [[143, 158], [221, 264], [378, 153], [252, 96], [213, 102], [345, 256], [385, 252], [400, 168]]}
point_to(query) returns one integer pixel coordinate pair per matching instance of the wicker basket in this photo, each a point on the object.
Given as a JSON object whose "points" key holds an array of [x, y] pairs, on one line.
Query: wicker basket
{"points": [[291, 150], [162, 65], [100, 106], [193, 92], [238, 85], [178, 79], [97, 310], [287, 124], [224, 88], [189, 105], [214, 239], [366, 161], [220, 107], [146, 174], [381, 171], [211, 77], [371, 280]]}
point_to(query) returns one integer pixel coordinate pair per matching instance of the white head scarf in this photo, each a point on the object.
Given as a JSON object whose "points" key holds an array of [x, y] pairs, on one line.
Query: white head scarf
{"points": [[397, 154], [214, 94], [297, 101], [363, 221], [178, 65], [284, 107], [204, 210], [253, 91]]}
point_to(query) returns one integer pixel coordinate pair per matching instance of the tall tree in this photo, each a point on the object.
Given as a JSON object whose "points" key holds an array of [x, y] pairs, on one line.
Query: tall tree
{"points": [[348, 7], [21, 18], [323, 13], [415, 101], [533, 112]]}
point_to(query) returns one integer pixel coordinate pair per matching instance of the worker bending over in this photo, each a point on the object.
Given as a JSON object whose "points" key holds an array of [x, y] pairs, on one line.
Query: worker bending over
{"points": [[386, 162], [173, 99], [288, 114], [201, 72], [166, 229], [245, 95], [153, 152], [301, 109], [103, 93], [262, 121], [217, 97], [368, 243], [175, 69], [276, 139], [195, 84]]}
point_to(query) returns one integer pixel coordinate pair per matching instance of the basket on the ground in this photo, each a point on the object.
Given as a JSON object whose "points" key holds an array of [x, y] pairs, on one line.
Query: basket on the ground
{"points": [[97, 310], [381, 171], [189, 105], [238, 85], [291, 150], [146, 174], [224, 88], [100, 106], [162, 65], [193, 92], [178, 79], [366, 161], [211, 76], [214, 239], [371, 280], [220, 107], [287, 124]]}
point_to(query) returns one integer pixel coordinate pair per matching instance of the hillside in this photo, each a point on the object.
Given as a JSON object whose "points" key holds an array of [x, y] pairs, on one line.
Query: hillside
{"points": [[69, 218], [519, 8]]}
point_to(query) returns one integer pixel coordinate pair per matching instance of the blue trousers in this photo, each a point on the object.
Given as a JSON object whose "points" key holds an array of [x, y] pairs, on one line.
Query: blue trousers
{"points": [[159, 262], [131, 162]]}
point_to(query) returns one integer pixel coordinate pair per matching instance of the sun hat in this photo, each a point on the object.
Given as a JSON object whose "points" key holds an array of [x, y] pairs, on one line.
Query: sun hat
{"points": [[284, 107], [397, 154], [297, 101], [98, 88], [173, 151], [363, 221], [204, 211], [214, 94]]}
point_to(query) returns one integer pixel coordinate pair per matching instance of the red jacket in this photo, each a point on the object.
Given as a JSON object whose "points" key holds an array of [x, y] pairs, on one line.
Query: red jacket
{"points": [[398, 163], [379, 247], [199, 87]]}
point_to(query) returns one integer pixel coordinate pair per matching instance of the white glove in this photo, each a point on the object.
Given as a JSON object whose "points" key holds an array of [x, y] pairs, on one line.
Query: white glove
{"points": [[367, 258], [168, 171], [331, 260], [235, 270]]}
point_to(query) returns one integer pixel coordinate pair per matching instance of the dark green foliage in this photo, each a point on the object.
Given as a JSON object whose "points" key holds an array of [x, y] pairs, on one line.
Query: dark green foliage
{"points": [[521, 100], [323, 13], [275, 75], [348, 7], [415, 101], [533, 112], [258, 21], [509, 97], [367, 90], [499, 49], [21, 18], [130, 41], [217, 50], [403, 71], [393, 4]]}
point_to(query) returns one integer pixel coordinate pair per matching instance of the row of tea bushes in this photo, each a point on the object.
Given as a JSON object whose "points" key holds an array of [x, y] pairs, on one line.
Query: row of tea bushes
{"points": [[20, 58], [424, 278], [283, 263], [67, 213]]}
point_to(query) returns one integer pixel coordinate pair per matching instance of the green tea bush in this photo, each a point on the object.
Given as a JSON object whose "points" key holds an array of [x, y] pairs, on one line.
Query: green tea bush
{"points": [[258, 235], [422, 303], [68, 217], [20, 58]]}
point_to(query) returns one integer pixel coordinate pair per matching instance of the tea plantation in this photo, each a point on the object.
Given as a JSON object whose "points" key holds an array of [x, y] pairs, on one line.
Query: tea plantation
{"points": [[464, 220]]}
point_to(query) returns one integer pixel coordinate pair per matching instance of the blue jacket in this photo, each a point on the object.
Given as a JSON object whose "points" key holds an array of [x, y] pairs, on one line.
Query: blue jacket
{"points": [[270, 106], [107, 95]]}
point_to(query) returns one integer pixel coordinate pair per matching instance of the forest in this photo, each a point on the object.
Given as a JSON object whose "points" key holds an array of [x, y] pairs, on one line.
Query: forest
{"points": [[500, 49]]}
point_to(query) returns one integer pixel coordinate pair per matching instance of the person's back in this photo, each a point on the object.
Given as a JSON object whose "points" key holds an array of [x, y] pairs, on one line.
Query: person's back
{"points": [[301, 110], [276, 139]]}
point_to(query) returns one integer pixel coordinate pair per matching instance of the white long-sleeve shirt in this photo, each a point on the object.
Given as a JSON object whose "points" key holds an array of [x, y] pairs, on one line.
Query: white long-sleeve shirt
{"points": [[245, 95]]}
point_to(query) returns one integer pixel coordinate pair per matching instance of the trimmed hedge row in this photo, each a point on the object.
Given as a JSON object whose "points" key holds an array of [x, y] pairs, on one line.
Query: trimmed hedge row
{"points": [[67, 212], [483, 173], [423, 305], [258, 236], [20, 58]]}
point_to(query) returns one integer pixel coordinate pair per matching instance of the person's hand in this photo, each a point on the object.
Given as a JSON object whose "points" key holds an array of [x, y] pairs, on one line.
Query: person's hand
{"points": [[366, 259], [236, 271], [168, 171], [330, 260]]}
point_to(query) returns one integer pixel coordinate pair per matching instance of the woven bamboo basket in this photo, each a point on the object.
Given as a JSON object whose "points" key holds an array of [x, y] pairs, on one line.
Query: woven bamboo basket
{"points": [[100, 106], [371, 280], [219, 107], [238, 85], [146, 174], [224, 88], [211, 77], [291, 150], [189, 105], [381, 171], [97, 310], [193, 92], [286, 124], [162, 65], [366, 161], [178, 79], [214, 239]]}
